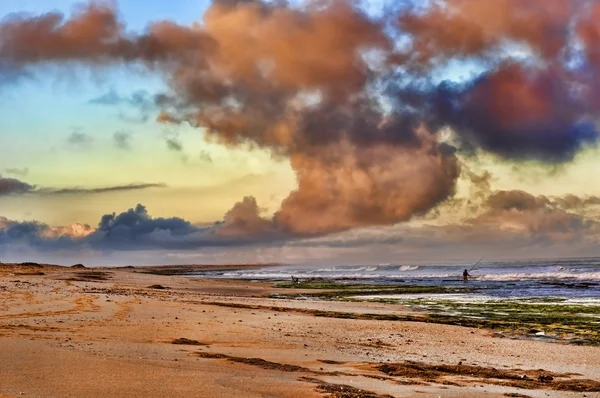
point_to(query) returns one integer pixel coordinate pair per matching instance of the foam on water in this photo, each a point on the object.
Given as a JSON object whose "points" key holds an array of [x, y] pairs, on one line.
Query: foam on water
{"points": [[564, 278]]}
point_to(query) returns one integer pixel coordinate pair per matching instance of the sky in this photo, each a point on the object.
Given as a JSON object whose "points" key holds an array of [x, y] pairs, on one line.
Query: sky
{"points": [[239, 131]]}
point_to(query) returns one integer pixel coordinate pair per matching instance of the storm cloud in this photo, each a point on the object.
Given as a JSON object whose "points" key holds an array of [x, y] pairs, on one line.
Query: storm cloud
{"points": [[329, 87], [132, 230], [526, 225]]}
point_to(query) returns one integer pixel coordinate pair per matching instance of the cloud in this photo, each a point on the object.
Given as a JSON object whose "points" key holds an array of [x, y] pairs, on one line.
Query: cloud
{"points": [[17, 172], [136, 107], [78, 138], [130, 230], [507, 222], [12, 186], [204, 156], [511, 230], [122, 140], [350, 106], [86, 191], [174, 144], [244, 220], [135, 229]]}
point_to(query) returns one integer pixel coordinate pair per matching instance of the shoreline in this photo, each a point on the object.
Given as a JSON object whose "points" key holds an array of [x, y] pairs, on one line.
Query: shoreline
{"points": [[110, 331]]}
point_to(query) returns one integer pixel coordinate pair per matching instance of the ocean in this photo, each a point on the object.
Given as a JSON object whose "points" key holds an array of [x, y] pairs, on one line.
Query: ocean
{"points": [[575, 280]]}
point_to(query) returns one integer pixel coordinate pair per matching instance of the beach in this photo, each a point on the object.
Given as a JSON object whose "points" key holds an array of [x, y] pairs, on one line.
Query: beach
{"points": [[145, 332]]}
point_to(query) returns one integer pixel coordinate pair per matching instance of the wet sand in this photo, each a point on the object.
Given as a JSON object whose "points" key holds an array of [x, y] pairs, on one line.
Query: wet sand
{"points": [[76, 332]]}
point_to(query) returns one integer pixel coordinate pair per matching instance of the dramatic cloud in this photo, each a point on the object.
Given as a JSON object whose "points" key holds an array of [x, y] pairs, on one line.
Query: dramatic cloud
{"points": [[521, 221], [342, 94], [505, 223], [538, 216], [133, 230], [518, 112], [244, 220], [464, 28]]}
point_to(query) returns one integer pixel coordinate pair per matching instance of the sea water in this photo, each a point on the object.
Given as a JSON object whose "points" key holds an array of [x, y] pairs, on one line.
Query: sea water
{"points": [[576, 280]]}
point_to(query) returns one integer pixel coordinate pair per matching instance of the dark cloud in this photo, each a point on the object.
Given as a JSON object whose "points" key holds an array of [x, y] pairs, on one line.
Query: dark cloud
{"points": [[37, 236], [518, 112], [122, 140], [511, 220], [349, 107], [85, 191], [12, 186], [134, 229]]}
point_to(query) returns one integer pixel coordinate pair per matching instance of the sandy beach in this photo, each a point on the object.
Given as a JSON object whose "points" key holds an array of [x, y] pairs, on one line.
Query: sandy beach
{"points": [[123, 332]]}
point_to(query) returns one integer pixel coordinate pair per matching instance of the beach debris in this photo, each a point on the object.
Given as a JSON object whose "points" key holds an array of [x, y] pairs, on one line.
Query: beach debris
{"points": [[342, 390], [261, 363], [529, 379], [184, 341], [158, 287]]}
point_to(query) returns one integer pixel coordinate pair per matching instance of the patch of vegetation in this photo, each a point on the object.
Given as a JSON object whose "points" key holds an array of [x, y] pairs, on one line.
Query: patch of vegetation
{"points": [[30, 264], [564, 327], [91, 276], [321, 283], [578, 324], [331, 289], [331, 362]]}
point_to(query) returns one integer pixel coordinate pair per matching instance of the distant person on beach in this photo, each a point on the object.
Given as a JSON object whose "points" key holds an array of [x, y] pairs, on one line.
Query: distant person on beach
{"points": [[466, 275]]}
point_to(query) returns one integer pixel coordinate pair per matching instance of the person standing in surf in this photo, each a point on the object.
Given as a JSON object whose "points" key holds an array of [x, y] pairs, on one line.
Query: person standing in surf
{"points": [[466, 275]]}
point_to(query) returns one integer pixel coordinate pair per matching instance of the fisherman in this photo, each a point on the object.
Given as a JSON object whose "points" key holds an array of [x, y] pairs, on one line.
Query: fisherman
{"points": [[466, 275]]}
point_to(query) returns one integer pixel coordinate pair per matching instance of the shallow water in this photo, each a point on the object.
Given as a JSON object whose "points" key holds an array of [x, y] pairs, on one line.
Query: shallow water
{"points": [[572, 279]]}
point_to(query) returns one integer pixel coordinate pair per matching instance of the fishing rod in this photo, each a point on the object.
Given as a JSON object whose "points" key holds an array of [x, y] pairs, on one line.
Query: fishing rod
{"points": [[476, 264]]}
